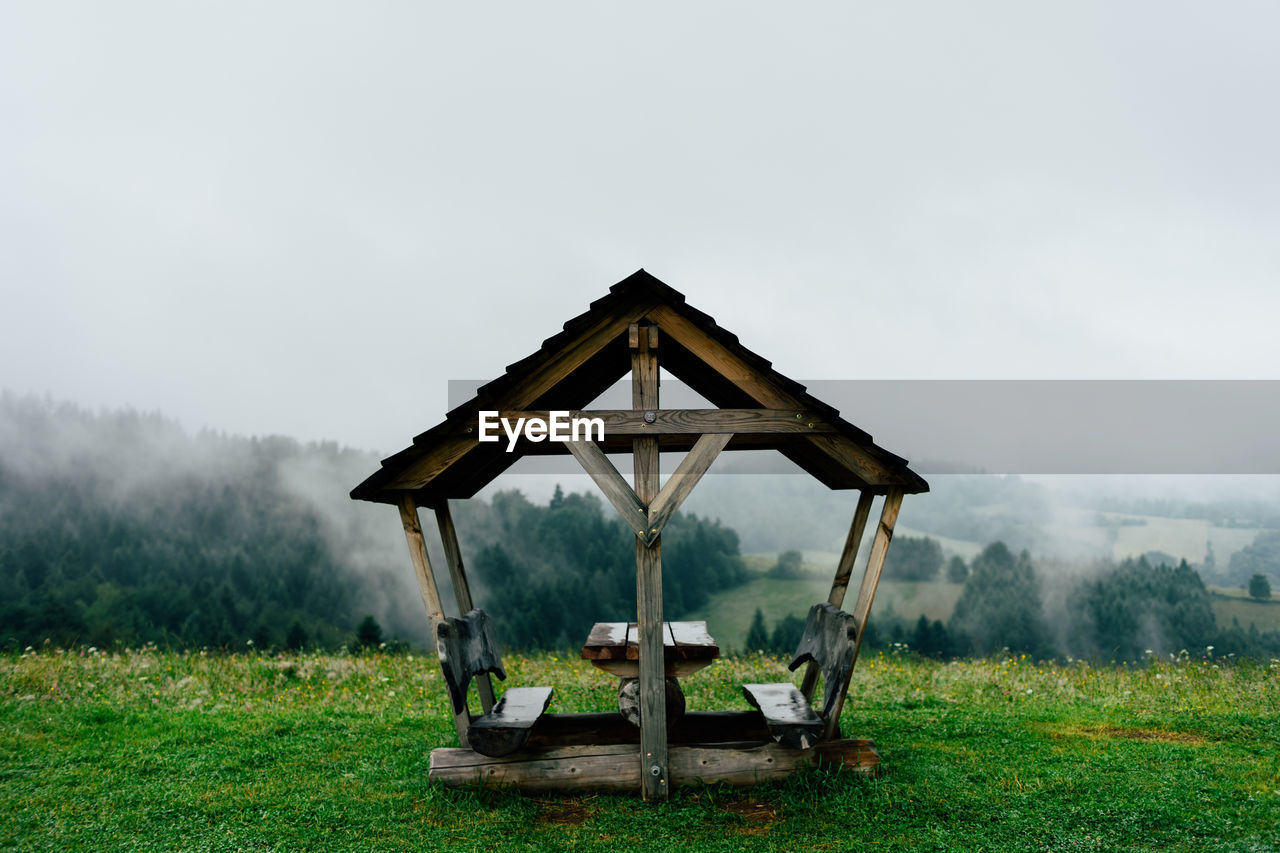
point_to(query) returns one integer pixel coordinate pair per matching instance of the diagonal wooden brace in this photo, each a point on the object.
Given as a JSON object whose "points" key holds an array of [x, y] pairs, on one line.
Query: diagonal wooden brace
{"points": [[681, 482], [647, 522], [615, 487]]}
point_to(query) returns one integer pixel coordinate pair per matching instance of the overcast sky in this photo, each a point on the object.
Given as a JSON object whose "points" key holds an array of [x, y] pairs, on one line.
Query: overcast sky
{"points": [[306, 218]]}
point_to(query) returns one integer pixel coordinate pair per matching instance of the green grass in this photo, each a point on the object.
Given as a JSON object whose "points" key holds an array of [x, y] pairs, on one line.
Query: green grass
{"points": [[161, 751]]}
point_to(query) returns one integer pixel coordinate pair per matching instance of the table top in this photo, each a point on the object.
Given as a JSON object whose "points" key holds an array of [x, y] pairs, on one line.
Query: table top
{"points": [[681, 641]]}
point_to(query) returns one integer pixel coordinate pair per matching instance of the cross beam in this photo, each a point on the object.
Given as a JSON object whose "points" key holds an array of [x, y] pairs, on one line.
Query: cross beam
{"points": [[647, 520]]}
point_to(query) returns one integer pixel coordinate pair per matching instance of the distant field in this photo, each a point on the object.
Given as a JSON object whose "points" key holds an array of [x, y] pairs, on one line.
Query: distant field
{"points": [[728, 614], [1231, 604], [158, 751], [1184, 538]]}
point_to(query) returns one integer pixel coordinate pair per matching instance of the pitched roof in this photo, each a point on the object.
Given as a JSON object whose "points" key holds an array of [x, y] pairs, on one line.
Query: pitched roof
{"points": [[590, 354]]}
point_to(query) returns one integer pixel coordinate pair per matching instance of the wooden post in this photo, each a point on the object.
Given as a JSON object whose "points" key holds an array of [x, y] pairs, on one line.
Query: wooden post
{"points": [[844, 570], [461, 589], [867, 593], [427, 586], [654, 772]]}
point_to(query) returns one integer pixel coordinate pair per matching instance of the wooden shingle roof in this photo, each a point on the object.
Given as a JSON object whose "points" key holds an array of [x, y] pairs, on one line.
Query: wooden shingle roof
{"points": [[590, 354]]}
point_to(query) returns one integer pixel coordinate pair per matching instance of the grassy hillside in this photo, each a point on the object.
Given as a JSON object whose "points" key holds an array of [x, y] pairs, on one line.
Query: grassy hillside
{"points": [[156, 751], [728, 614], [1235, 604]]}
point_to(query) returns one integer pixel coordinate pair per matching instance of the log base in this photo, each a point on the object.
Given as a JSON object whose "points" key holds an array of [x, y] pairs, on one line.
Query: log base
{"points": [[616, 767]]}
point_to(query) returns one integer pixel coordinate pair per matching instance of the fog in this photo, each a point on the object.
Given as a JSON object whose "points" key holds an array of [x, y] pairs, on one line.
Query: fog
{"points": [[304, 220]]}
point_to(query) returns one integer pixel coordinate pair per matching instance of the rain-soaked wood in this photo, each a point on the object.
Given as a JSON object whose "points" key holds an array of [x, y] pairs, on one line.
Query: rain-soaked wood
{"points": [[461, 589], [692, 640], [617, 767], [631, 422], [875, 562], [611, 728], [427, 587], [651, 763], [421, 562], [620, 641], [849, 556], [828, 643], [787, 714], [829, 639], [844, 570], [682, 481], [867, 592], [468, 647], [686, 648], [508, 726], [616, 489]]}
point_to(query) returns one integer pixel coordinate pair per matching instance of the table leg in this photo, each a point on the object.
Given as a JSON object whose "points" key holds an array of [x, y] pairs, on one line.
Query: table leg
{"points": [[629, 700]]}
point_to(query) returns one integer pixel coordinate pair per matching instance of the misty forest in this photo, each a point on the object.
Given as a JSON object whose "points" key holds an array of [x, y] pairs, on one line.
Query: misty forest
{"points": [[121, 528]]}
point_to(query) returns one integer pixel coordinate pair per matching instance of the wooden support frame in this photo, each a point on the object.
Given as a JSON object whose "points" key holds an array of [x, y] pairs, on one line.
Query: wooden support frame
{"points": [[612, 484], [427, 586], [647, 520], [844, 570], [615, 767], [867, 593], [652, 764], [682, 481], [461, 589], [453, 460]]}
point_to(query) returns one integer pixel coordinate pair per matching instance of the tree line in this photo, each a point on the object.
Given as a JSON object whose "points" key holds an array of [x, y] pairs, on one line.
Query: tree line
{"points": [[548, 572], [1124, 612], [121, 528]]}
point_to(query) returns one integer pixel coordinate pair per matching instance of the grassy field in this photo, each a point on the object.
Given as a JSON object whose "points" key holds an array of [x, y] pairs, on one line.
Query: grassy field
{"points": [[728, 614], [1185, 538], [164, 751], [1231, 604]]}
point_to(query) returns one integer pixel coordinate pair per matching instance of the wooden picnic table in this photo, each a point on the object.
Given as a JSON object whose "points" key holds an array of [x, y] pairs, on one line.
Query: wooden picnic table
{"points": [[614, 648]]}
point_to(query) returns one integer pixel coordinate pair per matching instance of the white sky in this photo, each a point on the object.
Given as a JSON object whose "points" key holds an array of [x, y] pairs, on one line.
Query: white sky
{"points": [[306, 218]]}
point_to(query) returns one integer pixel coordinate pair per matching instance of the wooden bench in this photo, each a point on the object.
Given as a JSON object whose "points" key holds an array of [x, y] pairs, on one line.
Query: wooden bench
{"points": [[830, 637], [468, 647]]}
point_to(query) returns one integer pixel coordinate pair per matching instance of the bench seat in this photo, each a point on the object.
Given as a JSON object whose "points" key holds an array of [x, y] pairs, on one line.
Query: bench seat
{"points": [[468, 647], [830, 641], [788, 715], [507, 727]]}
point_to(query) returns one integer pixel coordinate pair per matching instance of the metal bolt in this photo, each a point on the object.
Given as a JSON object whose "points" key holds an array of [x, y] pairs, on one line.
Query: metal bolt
{"points": [[655, 770]]}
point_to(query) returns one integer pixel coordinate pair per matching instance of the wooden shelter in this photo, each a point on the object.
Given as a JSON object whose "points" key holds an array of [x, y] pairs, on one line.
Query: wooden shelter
{"points": [[640, 324]]}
